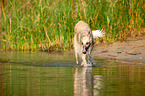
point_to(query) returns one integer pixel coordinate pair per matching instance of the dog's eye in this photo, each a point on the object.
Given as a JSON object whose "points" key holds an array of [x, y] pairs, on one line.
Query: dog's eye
{"points": [[87, 43], [82, 43]]}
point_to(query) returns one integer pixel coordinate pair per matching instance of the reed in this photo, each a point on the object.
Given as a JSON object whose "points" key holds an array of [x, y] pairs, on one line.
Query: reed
{"points": [[48, 24]]}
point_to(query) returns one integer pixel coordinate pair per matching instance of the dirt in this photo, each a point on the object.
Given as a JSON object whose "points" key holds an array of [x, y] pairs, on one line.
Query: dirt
{"points": [[133, 50]]}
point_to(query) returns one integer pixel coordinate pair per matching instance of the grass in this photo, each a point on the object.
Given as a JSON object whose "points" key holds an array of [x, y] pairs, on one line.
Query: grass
{"points": [[48, 24]]}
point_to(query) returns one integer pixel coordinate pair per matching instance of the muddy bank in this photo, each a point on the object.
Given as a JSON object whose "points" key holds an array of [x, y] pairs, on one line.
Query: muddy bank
{"points": [[133, 50]]}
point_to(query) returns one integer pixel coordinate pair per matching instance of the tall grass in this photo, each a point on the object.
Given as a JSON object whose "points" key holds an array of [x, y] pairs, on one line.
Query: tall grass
{"points": [[48, 24]]}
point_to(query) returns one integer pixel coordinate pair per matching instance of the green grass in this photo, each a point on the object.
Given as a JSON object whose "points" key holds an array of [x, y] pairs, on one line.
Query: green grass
{"points": [[48, 24]]}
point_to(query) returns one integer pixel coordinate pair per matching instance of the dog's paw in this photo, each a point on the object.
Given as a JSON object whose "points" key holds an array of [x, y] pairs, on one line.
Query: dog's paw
{"points": [[90, 63], [82, 64]]}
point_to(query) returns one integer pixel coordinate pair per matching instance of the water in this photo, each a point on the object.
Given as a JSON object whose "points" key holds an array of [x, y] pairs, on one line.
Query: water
{"points": [[55, 74]]}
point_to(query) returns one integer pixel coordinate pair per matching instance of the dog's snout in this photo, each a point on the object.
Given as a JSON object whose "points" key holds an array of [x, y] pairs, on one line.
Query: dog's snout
{"points": [[84, 52]]}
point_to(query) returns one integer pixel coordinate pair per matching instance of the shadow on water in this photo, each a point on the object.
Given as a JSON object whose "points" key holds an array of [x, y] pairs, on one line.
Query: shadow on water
{"points": [[39, 58], [56, 74]]}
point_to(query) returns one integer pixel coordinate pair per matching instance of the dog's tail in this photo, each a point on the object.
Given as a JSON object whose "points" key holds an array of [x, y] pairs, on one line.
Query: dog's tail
{"points": [[98, 33]]}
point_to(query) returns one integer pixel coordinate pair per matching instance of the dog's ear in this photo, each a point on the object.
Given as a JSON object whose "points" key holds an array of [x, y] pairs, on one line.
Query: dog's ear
{"points": [[89, 32], [79, 38], [90, 41]]}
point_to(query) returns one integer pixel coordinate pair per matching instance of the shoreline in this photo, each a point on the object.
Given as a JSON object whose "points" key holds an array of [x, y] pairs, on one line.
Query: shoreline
{"points": [[132, 50]]}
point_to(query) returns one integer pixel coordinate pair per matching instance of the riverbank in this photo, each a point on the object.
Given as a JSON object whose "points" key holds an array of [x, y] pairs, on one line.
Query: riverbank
{"points": [[133, 50]]}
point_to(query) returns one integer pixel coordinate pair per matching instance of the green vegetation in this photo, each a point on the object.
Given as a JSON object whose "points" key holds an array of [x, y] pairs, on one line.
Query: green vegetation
{"points": [[48, 24]]}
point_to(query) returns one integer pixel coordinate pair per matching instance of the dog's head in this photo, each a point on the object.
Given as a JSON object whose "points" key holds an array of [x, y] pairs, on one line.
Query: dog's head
{"points": [[86, 42]]}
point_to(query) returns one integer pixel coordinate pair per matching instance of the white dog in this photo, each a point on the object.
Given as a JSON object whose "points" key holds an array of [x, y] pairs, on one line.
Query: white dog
{"points": [[83, 43]]}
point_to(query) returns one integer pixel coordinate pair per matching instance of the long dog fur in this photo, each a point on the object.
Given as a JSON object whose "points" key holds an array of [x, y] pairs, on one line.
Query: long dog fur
{"points": [[83, 42]]}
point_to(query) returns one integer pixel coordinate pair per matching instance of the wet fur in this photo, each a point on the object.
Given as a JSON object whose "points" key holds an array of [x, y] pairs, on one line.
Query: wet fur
{"points": [[83, 42]]}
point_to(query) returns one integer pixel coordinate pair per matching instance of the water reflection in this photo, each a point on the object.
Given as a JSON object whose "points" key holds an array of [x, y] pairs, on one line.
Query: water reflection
{"points": [[35, 74], [23, 80], [85, 83], [57, 59]]}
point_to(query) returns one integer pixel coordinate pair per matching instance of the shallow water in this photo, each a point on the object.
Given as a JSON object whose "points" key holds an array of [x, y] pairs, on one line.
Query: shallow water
{"points": [[56, 74]]}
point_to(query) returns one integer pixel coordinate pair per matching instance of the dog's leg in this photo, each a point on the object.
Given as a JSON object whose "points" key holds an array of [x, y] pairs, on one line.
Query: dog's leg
{"points": [[90, 58], [76, 55], [84, 60], [76, 49]]}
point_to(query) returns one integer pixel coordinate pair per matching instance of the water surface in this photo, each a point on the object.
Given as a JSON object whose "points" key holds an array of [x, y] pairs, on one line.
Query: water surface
{"points": [[56, 74]]}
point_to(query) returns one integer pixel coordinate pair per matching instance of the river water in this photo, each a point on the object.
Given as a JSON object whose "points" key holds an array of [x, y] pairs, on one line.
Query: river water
{"points": [[56, 74]]}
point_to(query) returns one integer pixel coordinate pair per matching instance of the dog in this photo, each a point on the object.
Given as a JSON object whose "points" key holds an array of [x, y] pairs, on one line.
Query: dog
{"points": [[83, 43]]}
